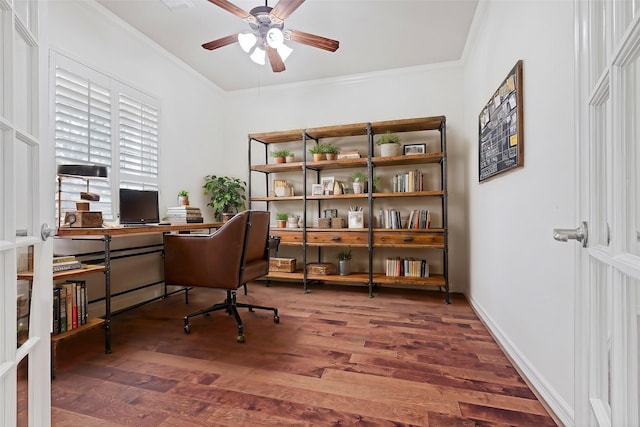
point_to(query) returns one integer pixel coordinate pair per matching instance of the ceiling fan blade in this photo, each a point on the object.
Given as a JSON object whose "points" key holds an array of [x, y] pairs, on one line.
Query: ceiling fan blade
{"points": [[284, 8], [274, 59], [215, 44], [230, 7], [313, 40]]}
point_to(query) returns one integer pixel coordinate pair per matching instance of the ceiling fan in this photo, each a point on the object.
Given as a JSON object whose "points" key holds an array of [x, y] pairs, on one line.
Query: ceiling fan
{"points": [[267, 33]]}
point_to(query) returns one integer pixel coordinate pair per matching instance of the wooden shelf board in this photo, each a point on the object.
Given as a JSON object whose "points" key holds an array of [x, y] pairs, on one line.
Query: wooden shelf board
{"points": [[91, 323], [58, 275], [408, 125], [378, 278], [433, 280], [354, 129], [434, 193], [278, 137], [412, 159], [278, 167], [275, 199]]}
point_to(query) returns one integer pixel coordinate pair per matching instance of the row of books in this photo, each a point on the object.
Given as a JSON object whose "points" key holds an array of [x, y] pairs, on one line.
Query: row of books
{"points": [[64, 263], [184, 215], [70, 306], [406, 267], [408, 182], [391, 218]]}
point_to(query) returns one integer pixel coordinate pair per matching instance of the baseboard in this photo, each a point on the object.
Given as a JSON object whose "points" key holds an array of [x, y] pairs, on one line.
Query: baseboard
{"points": [[558, 408]]}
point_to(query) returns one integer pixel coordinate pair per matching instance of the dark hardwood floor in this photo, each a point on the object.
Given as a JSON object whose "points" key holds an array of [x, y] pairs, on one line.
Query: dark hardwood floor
{"points": [[337, 357]]}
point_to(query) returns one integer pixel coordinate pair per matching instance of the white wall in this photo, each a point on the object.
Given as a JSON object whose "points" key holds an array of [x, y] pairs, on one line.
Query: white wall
{"points": [[192, 109], [413, 92], [521, 280]]}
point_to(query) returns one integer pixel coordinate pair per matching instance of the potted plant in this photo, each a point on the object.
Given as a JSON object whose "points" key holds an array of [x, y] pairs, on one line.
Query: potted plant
{"points": [[330, 151], [227, 195], [281, 155], [318, 152], [183, 198], [389, 144], [359, 179], [290, 157], [281, 218], [344, 262]]}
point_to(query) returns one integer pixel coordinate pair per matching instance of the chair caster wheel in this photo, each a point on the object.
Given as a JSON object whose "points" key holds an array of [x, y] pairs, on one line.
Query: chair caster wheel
{"points": [[240, 339], [276, 319], [187, 329]]}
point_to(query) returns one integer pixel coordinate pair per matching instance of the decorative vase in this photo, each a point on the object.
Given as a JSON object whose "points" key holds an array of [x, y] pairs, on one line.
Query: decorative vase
{"points": [[389, 150], [344, 267], [292, 222]]}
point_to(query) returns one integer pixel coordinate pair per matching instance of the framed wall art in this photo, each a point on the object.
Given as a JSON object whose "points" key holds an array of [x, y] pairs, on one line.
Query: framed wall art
{"points": [[501, 144]]}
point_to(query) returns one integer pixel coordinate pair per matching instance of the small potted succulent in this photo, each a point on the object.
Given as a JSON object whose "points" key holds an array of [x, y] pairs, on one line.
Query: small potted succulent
{"points": [[359, 179], [183, 198], [281, 218], [318, 152], [344, 262], [281, 155], [330, 151], [389, 144]]}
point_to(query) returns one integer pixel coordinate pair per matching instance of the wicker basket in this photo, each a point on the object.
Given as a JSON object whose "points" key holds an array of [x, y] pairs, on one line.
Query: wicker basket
{"points": [[324, 222], [337, 222]]}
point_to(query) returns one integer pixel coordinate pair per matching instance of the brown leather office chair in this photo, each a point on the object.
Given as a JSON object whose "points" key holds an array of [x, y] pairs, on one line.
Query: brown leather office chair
{"points": [[227, 259]]}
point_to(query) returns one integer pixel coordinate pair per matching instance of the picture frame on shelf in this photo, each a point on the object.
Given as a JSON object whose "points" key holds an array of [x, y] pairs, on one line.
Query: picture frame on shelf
{"points": [[409, 149], [317, 190], [327, 185]]}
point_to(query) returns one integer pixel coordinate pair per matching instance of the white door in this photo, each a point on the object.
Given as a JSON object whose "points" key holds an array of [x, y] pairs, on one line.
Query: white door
{"points": [[608, 142], [26, 173]]}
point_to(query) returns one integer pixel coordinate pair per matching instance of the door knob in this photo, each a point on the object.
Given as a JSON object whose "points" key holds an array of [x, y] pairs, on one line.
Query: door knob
{"points": [[46, 231], [581, 234]]}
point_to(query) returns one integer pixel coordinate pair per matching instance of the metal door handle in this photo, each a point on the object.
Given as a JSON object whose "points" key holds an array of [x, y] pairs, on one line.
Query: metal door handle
{"points": [[581, 234], [46, 231]]}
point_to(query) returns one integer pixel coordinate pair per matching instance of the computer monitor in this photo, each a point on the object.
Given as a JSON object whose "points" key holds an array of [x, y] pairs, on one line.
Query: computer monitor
{"points": [[139, 206]]}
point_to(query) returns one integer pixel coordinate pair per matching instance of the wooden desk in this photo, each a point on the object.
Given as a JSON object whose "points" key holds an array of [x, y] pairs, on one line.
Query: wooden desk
{"points": [[105, 234]]}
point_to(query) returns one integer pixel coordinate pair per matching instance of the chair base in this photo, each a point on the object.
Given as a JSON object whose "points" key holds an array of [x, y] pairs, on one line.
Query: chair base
{"points": [[230, 305]]}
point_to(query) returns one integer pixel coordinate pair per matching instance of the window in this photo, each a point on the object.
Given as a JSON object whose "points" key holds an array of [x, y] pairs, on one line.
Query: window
{"points": [[101, 121]]}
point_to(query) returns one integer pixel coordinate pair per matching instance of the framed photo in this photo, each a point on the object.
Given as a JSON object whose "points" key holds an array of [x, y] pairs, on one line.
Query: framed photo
{"points": [[327, 184], [415, 149], [316, 190]]}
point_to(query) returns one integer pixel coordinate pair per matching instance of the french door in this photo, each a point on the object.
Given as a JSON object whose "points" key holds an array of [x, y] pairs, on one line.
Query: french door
{"points": [[26, 173], [608, 160]]}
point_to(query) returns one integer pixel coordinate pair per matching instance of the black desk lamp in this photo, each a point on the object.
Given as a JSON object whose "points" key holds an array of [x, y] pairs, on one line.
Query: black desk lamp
{"points": [[85, 172]]}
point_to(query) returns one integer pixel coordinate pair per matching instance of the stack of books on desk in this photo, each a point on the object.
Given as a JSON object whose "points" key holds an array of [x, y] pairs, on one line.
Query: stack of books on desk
{"points": [[64, 263], [184, 215]]}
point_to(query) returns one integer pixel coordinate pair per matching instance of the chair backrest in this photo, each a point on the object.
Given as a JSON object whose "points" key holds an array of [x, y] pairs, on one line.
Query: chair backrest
{"points": [[236, 253]]}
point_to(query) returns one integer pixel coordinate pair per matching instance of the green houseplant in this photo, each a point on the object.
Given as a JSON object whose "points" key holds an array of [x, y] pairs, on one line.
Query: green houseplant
{"points": [[318, 152], [183, 198], [389, 144], [281, 218], [359, 179], [281, 155], [227, 195], [344, 262], [330, 150]]}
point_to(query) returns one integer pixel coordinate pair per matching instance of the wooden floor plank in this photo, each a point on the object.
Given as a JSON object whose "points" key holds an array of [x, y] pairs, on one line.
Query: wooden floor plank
{"points": [[336, 357]]}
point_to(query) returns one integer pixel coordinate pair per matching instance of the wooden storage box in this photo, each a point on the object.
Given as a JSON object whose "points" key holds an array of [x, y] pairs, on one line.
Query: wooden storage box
{"points": [[283, 265], [337, 222], [83, 219], [324, 222], [321, 268]]}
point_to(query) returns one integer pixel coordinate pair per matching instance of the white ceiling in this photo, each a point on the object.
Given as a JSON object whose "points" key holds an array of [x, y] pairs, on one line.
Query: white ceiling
{"points": [[374, 35]]}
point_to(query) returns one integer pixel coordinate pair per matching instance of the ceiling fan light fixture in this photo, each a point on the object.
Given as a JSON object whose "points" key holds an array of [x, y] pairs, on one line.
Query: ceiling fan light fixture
{"points": [[275, 38], [284, 51], [246, 40], [258, 56]]}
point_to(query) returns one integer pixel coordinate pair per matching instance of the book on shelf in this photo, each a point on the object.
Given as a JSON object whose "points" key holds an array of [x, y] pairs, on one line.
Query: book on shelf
{"points": [[70, 306], [183, 209], [406, 267], [408, 182], [66, 265], [353, 154], [63, 258]]}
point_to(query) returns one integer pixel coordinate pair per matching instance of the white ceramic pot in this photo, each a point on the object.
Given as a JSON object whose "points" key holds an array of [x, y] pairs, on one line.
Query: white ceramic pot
{"points": [[388, 150], [357, 187]]}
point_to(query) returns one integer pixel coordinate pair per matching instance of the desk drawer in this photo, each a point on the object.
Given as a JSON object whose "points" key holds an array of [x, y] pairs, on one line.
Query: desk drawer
{"points": [[408, 239], [288, 237], [336, 237]]}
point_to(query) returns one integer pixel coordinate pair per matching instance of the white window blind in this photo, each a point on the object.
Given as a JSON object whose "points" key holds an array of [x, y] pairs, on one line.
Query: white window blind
{"points": [[101, 121]]}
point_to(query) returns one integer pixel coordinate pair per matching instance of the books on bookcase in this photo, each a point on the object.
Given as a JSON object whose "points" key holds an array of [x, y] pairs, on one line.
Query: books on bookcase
{"points": [[64, 263], [408, 182], [406, 267], [70, 306], [391, 218]]}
